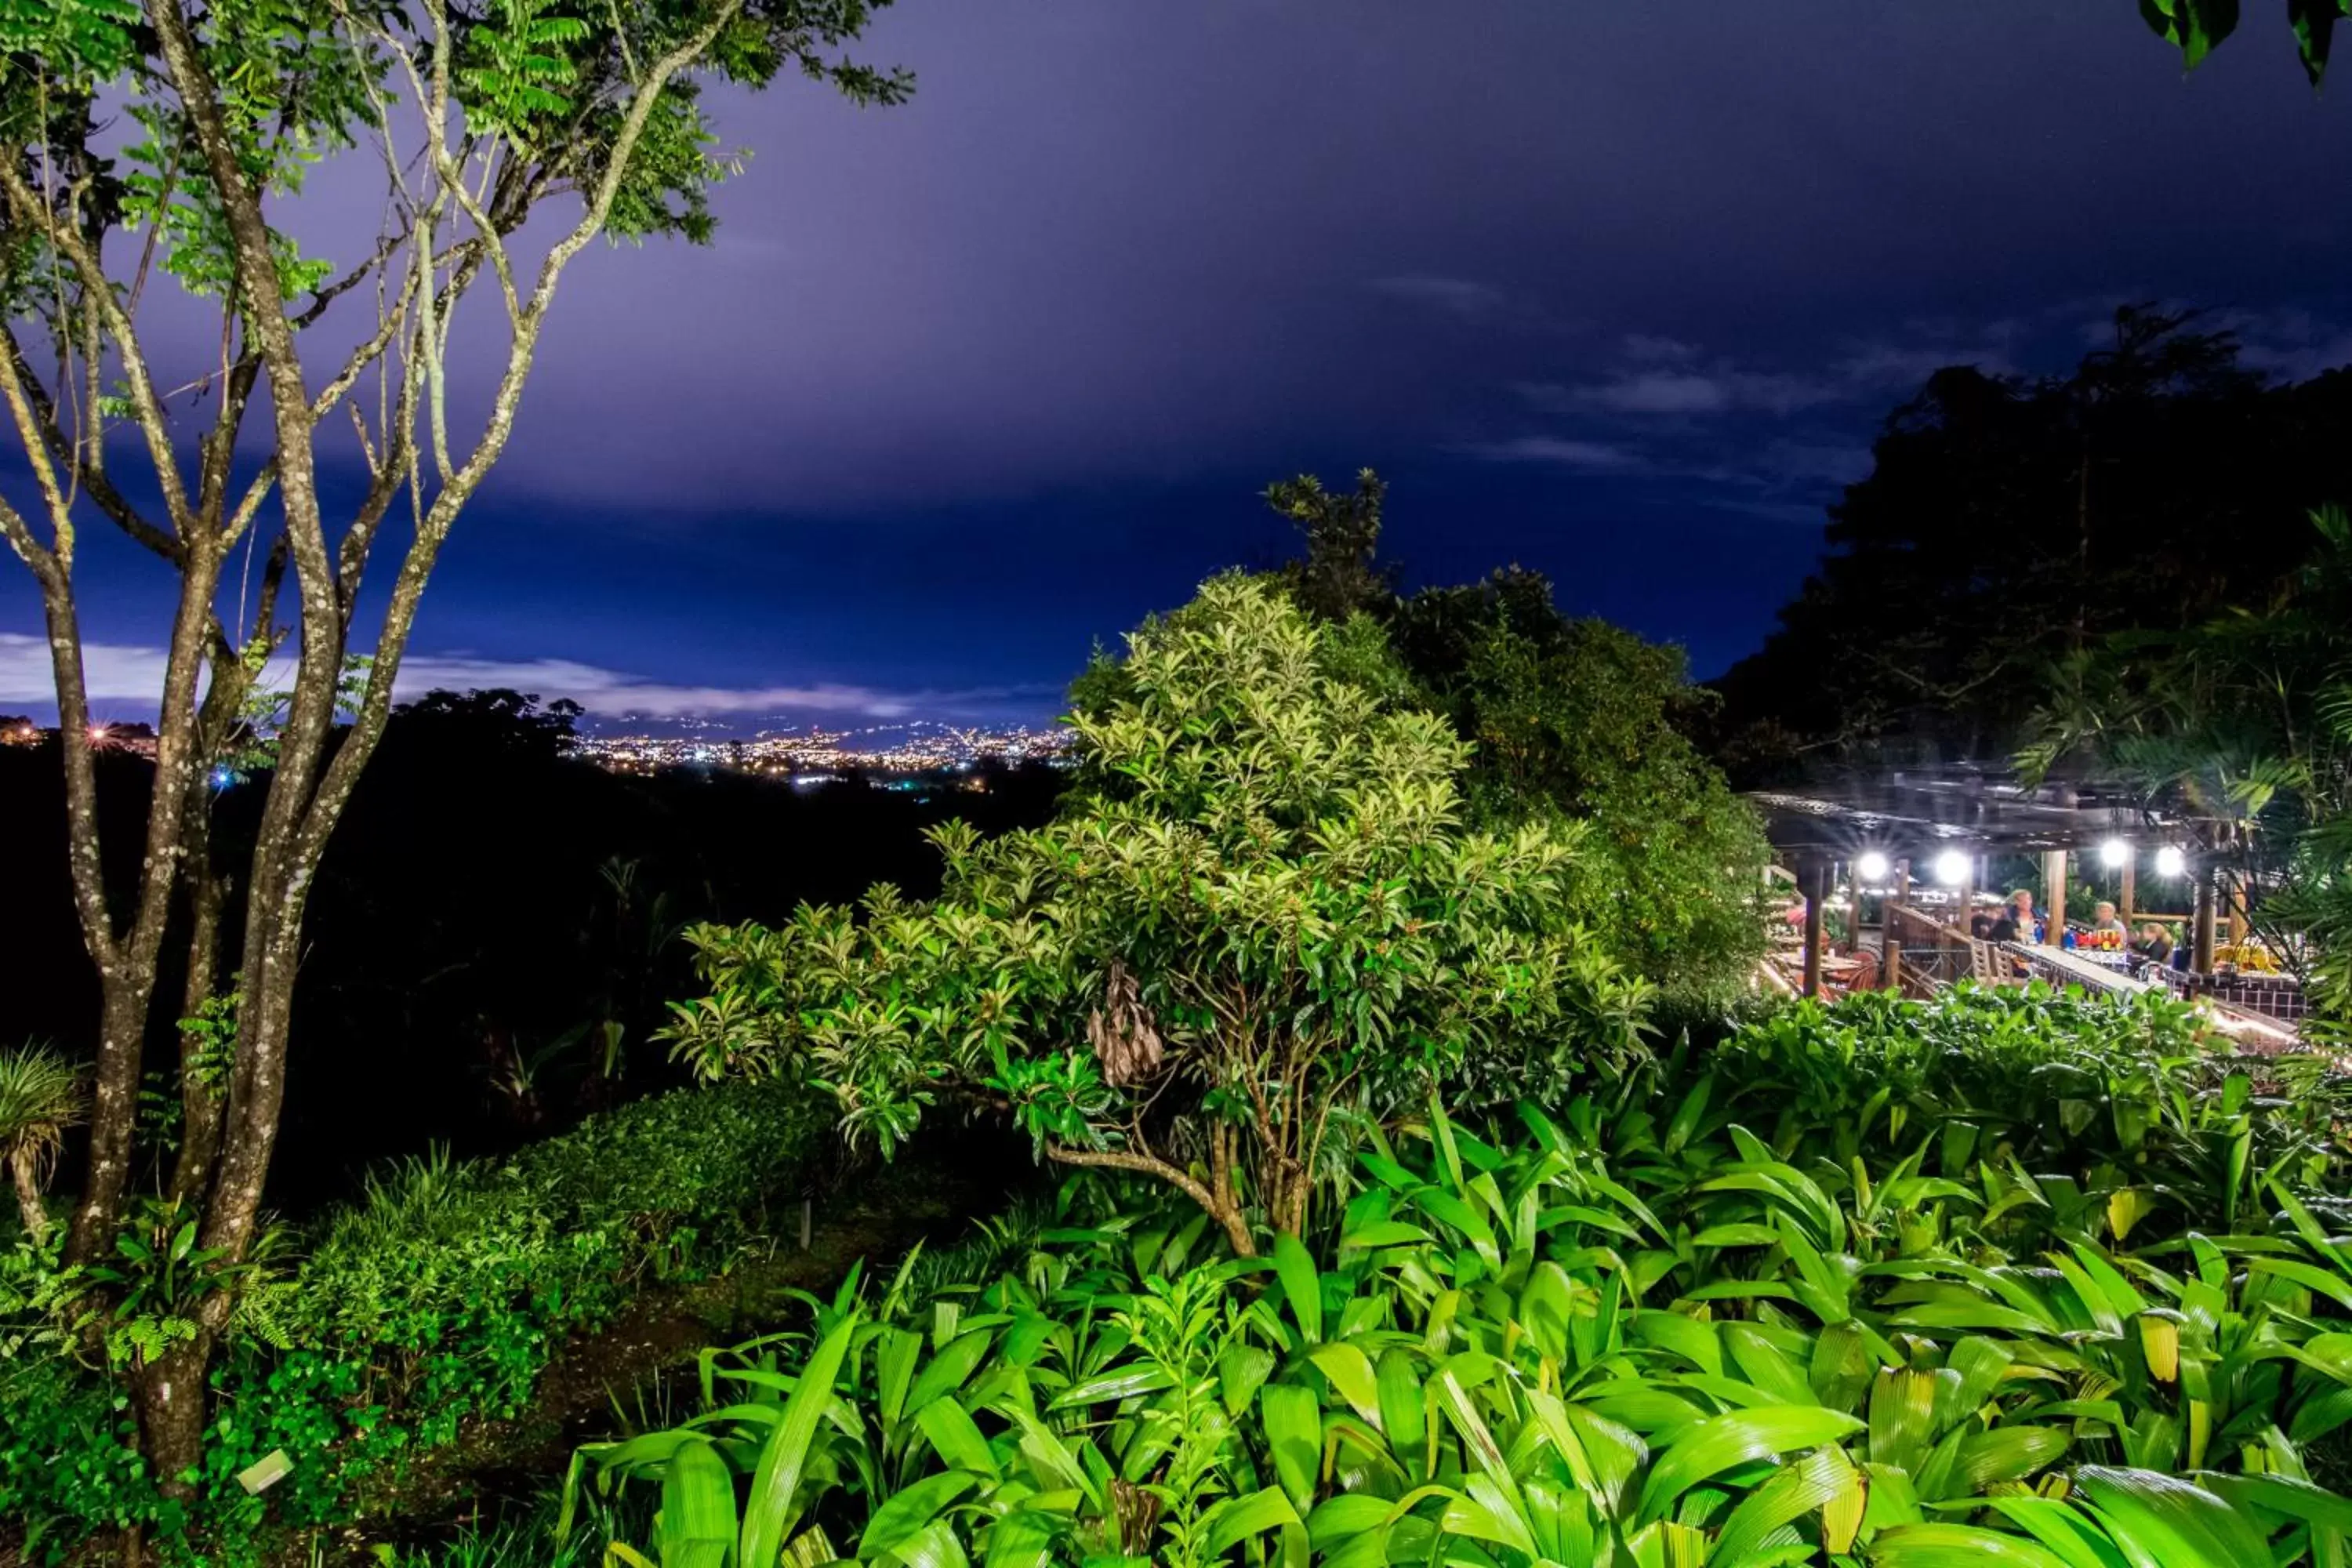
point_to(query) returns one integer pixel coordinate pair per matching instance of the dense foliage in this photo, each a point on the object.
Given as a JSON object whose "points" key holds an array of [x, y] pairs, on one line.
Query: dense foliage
{"points": [[439, 1298], [1259, 920], [1567, 718], [1585, 719], [1830, 1298]]}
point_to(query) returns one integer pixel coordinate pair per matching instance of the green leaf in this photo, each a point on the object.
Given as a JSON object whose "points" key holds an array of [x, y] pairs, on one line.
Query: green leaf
{"points": [[910, 1510], [1294, 1433], [1957, 1546], [2314, 22], [1714, 1446], [774, 1502], [1791, 1493], [2174, 1522], [947, 1370], [1237, 1518], [698, 1502], [1350, 1372], [1295, 1267], [2192, 27], [2007, 1454], [955, 1436]]}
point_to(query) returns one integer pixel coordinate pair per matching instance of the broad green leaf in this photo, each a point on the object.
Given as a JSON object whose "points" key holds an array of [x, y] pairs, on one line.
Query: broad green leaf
{"points": [[1237, 1518], [911, 1510], [1350, 1372], [1302, 1284], [774, 1502], [698, 1503], [1716, 1444], [1957, 1546]]}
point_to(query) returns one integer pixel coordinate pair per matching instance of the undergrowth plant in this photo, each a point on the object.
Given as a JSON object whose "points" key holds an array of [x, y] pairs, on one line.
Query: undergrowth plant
{"points": [[2019, 1278]]}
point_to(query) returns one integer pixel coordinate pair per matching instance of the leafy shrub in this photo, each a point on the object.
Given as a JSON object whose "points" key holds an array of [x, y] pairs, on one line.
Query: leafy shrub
{"points": [[1259, 918], [441, 1295], [2113, 1093]]}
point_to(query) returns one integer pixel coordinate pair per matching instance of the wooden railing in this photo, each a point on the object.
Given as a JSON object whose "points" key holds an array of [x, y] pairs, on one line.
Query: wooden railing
{"points": [[1924, 953]]}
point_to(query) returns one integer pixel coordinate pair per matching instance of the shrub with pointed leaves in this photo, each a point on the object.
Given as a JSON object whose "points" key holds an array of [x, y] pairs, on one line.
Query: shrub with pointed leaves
{"points": [[1259, 918]]}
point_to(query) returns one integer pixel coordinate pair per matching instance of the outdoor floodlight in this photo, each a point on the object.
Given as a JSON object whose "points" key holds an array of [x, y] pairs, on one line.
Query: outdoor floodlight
{"points": [[1951, 868], [1872, 866], [2170, 861], [2115, 853]]}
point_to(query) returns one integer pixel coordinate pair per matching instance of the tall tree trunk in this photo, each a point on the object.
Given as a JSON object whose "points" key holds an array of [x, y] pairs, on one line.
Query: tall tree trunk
{"points": [[169, 1394]]}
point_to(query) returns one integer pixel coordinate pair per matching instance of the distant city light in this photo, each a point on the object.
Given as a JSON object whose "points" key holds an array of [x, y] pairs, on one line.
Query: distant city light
{"points": [[2115, 853], [1951, 868], [807, 757], [99, 734], [1872, 866], [2170, 861]]}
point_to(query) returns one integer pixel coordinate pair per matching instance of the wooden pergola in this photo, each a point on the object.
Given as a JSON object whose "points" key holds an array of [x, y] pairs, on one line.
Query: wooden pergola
{"points": [[1917, 817]]}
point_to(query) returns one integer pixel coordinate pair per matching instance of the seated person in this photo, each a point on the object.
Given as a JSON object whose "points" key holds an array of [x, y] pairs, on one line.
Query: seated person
{"points": [[2103, 918], [2002, 929], [2020, 910], [2154, 942], [1980, 925]]}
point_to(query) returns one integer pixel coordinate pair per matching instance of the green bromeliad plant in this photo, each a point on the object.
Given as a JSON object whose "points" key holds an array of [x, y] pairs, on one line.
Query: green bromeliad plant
{"points": [[1260, 923], [1633, 1335]]}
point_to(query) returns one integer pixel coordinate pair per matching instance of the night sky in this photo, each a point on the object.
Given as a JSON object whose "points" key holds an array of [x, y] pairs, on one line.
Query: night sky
{"points": [[1619, 292]]}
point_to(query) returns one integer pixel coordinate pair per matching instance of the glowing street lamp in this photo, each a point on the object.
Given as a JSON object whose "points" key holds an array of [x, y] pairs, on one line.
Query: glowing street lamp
{"points": [[2115, 853], [1951, 868], [1872, 866], [2171, 862]]}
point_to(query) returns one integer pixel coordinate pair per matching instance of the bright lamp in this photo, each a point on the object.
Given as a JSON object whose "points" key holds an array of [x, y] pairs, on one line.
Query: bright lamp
{"points": [[2170, 861], [2115, 853], [1951, 868], [1872, 866]]}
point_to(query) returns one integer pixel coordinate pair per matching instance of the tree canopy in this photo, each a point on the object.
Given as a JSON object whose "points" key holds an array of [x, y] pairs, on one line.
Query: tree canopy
{"points": [[1260, 914], [1580, 719], [2008, 521], [2197, 27]]}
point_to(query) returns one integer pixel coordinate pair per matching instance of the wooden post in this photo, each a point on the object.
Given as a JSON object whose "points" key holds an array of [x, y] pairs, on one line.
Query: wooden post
{"points": [[2054, 888], [2129, 896], [2202, 953], [1817, 892], [1853, 914], [1890, 937], [2238, 918]]}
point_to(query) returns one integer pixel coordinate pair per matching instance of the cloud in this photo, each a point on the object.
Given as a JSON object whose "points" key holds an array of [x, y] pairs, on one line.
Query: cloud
{"points": [[1463, 297], [122, 676], [1653, 350], [2292, 345], [1661, 376], [1874, 368], [1596, 456], [1721, 390]]}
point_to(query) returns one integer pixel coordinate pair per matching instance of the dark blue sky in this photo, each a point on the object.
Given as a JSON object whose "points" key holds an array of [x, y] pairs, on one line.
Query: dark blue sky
{"points": [[1619, 292]]}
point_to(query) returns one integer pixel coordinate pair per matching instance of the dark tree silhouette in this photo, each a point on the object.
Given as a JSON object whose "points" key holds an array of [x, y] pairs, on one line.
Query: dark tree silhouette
{"points": [[2008, 521]]}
